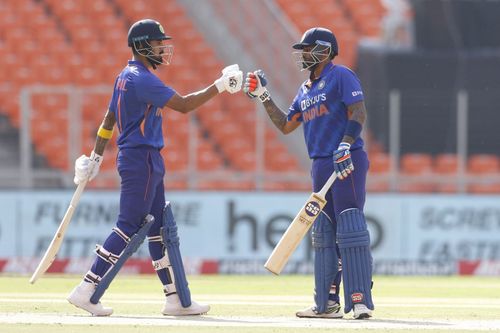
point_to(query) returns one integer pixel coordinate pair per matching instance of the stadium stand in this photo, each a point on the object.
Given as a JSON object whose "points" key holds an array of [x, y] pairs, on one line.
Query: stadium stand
{"points": [[83, 44]]}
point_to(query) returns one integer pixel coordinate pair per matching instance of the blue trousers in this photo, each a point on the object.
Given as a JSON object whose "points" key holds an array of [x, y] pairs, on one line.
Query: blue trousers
{"points": [[142, 192]]}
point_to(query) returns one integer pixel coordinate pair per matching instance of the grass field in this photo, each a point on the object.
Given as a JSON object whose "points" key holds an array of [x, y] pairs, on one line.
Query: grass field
{"points": [[252, 304]]}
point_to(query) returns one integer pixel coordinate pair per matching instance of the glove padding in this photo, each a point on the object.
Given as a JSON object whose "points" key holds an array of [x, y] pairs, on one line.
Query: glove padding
{"points": [[342, 162], [231, 79], [255, 86], [86, 168]]}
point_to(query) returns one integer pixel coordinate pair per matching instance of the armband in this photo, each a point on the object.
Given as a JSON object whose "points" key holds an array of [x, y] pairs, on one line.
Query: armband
{"points": [[353, 129], [104, 133]]}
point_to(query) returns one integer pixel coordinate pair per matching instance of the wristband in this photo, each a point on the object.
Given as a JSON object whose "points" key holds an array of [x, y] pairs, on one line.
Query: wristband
{"points": [[353, 129], [105, 133]]}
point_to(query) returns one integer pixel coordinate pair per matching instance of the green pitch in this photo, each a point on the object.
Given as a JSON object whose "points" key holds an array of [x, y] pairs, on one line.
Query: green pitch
{"points": [[252, 304]]}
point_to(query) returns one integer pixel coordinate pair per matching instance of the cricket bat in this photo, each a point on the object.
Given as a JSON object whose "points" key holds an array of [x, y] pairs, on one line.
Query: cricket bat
{"points": [[55, 244], [298, 228]]}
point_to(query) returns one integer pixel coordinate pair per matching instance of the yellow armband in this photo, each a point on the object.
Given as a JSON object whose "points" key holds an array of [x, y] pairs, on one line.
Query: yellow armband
{"points": [[104, 133]]}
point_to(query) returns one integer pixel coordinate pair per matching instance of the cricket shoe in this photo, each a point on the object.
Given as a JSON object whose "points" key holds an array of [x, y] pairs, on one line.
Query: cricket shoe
{"points": [[332, 311], [173, 307], [362, 312], [80, 297]]}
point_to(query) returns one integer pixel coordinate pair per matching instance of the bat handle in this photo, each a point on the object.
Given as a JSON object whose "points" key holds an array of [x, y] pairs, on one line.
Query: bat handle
{"points": [[327, 185]]}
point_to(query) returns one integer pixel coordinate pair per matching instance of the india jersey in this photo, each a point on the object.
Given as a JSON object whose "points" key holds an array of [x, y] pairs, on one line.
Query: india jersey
{"points": [[323, 109], [137, 100]]}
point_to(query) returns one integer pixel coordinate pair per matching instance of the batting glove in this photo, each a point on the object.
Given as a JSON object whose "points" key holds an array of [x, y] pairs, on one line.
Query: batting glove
{"points": [[255, 86], [231, 79], [86, 168], [342, 162]]}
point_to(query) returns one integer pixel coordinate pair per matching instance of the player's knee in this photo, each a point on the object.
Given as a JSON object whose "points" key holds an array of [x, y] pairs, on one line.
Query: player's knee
{"points": [[323, 233]]}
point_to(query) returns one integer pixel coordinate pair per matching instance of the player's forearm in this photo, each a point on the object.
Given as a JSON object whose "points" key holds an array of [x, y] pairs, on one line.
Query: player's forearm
{"points": [[105, 133], [196, 99], [277, 116]]}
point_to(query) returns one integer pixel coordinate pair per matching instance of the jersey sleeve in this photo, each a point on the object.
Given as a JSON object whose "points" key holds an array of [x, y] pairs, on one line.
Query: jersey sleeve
{"points": [[350, 87], [294, 111], [112, 101], [152, 90]]}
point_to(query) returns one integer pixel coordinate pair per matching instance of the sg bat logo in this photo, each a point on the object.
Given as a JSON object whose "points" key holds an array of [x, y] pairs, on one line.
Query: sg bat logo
{"points": [[312, 208], [233, 82]]}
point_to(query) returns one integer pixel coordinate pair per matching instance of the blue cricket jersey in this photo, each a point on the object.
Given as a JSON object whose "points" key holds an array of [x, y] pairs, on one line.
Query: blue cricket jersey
{"points": [[138, 97], [322, 108]]}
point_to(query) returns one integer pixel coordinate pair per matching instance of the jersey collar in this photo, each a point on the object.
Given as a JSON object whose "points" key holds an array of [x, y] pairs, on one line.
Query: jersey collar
{"points": [[323, 72], [137, 63]]}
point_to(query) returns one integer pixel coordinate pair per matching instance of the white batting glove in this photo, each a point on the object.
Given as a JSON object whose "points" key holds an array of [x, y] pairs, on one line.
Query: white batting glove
{"points": [[86, 168], [255, 86], [231, 79]]}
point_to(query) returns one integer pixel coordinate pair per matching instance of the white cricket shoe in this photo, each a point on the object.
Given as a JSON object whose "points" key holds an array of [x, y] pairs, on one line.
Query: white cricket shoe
{"points": [[361, 312], [332, 311], [173, 307], [80, 297]]}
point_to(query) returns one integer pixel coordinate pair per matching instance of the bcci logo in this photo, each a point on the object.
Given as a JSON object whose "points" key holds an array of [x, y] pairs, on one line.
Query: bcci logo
{"points": [[161, 28], [312, 208], [321, 84]]}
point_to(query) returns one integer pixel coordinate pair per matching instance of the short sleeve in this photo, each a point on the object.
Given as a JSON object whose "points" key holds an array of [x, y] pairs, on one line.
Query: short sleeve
{"points": [[151, 90], [350, 87], [294, 111], [112, 101]]}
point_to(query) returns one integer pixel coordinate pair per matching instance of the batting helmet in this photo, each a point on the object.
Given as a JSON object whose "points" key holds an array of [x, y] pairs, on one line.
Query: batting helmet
{"points": [[139, 35], [144, 30], [318, 36]]}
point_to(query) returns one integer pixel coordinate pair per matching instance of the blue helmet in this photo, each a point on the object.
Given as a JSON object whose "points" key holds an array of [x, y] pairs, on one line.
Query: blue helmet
{"points": [[318, 36], [145, 30]]}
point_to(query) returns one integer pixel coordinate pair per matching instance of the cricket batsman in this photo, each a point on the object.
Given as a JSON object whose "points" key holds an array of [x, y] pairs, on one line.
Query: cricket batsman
{"points": [[330, 106], [137, 106]]}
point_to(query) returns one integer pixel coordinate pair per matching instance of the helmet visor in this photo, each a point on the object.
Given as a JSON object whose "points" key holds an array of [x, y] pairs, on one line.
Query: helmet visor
{"points": [[160, 55], [307, 59]]}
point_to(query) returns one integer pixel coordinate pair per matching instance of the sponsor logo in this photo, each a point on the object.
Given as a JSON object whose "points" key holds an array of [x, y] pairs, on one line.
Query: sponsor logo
{"points": [[308, 102], [356, 93], [357, 297], [312, 208], [232, 82]]}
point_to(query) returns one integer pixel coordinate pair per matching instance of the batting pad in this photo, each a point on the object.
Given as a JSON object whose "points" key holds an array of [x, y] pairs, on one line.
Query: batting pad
{"points": [[354, 244], [325, 260], [171, 243], [132, 246]]}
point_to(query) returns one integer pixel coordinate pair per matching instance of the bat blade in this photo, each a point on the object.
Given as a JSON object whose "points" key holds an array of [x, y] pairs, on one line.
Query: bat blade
{"points": [[298, 229], [55, 244], [294, 233]]}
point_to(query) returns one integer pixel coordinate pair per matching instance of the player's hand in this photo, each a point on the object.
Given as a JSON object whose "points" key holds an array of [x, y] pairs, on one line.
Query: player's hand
{"points": [[86, 168], [255, 86], [342, 162], [231, 79]]}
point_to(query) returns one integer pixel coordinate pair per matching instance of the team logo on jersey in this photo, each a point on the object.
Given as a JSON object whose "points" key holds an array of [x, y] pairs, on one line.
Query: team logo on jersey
{"points": [[321, 84], [312, 208]]}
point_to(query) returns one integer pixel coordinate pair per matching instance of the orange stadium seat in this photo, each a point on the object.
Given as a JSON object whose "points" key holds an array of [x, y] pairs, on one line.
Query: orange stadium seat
{"points": [[416, 164], [480, 168], [76, 56]]}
